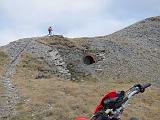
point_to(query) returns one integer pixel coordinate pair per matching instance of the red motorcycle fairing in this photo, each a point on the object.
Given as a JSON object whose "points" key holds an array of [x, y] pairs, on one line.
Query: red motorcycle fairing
{"points": [[81, 118], [111, 94]]}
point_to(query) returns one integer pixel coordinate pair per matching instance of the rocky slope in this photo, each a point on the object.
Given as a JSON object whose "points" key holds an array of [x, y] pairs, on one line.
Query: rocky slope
{"points": [[131, 53]]}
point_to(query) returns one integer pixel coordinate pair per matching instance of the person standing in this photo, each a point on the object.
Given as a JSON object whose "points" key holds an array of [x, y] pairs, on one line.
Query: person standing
{"points": [[50, 31]]}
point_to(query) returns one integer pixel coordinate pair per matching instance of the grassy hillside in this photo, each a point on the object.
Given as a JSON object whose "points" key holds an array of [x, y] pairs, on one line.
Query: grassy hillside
{"points": [[57, 40], [3, 61], [57, 99], [63, 42]]}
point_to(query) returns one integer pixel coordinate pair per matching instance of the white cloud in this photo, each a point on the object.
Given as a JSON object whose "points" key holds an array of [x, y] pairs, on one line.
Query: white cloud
{"points": [[11, 34], [27, 17], [98, 28], [40, 11]]}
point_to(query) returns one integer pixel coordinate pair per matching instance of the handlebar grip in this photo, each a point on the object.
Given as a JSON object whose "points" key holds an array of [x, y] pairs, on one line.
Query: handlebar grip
{"points": [[146, 85]]}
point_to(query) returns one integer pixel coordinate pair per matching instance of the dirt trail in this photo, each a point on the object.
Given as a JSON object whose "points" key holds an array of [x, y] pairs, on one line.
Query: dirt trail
{"points": [[9, 97]]}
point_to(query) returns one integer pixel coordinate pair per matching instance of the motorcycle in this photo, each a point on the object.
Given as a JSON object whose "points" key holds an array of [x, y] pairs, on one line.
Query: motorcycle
{"points": [[103, 112]]}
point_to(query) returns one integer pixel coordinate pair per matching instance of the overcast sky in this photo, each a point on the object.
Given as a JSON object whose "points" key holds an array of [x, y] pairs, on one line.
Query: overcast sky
{"points": [[71, 18]]}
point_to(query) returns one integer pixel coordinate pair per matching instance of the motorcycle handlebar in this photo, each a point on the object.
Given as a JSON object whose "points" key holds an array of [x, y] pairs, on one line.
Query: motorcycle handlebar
{"points": [[146, 85]]}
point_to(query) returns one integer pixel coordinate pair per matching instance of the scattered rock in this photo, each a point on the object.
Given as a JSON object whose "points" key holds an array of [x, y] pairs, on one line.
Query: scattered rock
{"points": [[133, 118]]}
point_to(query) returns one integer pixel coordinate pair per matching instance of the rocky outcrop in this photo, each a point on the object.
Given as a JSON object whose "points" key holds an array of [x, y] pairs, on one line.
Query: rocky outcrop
{"points": [[133, 52], [51, 57]]}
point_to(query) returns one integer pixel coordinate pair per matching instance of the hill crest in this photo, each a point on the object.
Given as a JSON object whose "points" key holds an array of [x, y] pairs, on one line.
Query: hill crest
{"points": [[133, 52]]}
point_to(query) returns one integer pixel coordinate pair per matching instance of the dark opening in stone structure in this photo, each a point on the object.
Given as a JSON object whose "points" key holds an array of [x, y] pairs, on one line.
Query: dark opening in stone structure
{"points": [[88, 60]]}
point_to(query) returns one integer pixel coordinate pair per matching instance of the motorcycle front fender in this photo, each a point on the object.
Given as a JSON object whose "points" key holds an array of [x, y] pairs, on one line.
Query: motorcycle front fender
{"points": [[81, 118]]}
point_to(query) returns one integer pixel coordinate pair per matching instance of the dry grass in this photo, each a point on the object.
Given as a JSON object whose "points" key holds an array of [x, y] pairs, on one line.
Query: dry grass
{"points": [[3, 61], [57, 99], [57, 40], [63, 42], [80, 42], [1, 89]]}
